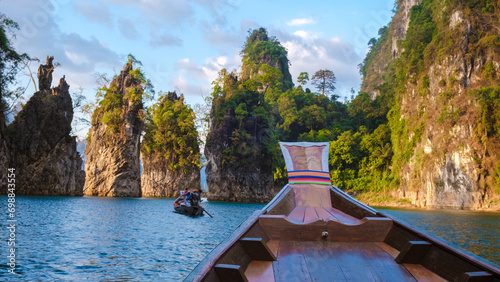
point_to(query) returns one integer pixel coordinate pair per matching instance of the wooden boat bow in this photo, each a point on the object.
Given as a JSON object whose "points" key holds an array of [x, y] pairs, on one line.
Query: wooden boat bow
{"points": [[316, 232]]}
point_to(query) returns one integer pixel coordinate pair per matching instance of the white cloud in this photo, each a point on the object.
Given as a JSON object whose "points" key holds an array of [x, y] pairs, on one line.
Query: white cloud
{"points": [[301, 33], [196, 79], [216, 36], [310, 54], [165, 39], [301, 21], [40, 36], [128, 29], [94, 13], [170, 12]]}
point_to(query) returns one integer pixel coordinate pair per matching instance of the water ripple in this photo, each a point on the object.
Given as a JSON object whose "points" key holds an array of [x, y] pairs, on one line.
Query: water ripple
{"points": [[110, 239]]}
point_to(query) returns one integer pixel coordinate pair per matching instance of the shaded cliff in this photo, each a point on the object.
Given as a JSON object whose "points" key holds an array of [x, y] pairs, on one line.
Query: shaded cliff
{"points": [[239, 145], [439, 61], [112, 167], [170, 150], [40, 146]]}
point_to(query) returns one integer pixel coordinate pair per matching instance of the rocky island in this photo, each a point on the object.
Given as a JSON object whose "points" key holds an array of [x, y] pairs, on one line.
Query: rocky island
{"points": [[39, 142], [113, 145]]}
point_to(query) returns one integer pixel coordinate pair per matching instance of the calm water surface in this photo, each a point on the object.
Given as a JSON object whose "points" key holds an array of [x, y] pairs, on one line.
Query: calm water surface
{"points": [[91, 238]]}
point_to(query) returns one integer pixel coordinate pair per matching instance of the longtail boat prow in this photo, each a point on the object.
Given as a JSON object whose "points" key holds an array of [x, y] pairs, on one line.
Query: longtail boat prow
{"points": [[313, 231]]}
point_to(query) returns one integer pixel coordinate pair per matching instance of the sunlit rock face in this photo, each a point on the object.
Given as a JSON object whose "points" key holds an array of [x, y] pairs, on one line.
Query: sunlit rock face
{"points": [[444, 110], [113, 167]]}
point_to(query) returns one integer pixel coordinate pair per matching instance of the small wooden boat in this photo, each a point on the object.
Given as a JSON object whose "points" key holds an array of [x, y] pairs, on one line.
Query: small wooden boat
{"points": [[315, 232], [191, 211], [194, 209]]}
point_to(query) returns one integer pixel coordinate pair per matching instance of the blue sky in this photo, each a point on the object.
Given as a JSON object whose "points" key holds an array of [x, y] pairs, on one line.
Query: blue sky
{"points": [[184, 44]]}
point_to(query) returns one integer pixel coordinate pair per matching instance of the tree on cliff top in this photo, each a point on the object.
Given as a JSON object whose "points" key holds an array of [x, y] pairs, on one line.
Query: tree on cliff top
{"points": [[121, 93], [170, 133], [324, 80]]}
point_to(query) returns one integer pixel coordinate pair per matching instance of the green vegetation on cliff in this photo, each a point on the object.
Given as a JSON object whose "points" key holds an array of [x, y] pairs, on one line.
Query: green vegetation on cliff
{"points": [[111, 100], [450, 49], [170, 133], [11, 63]]}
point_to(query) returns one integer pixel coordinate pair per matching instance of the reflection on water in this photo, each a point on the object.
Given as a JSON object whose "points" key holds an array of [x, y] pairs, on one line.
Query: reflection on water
{"points": [[90, 238], [476, 232]]}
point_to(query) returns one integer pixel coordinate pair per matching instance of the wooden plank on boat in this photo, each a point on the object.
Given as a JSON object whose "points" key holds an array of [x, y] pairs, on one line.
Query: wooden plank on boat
{"points": [[388, 249], [398, 237], [477, 276], [256, 231], [352, 261], [312, 195], [236, 255], [341, 216], [279, 228], [326, 216], [206, 265], [349, 205], [260, 271], [297, 214], [310, 214], [230, 272], [413, 252], [447, 265], [211, 277], [321, 265], [257, 249], [291, 265], [383, 263], [273, 246], [284, 202], [368, 229], [423, 274]]}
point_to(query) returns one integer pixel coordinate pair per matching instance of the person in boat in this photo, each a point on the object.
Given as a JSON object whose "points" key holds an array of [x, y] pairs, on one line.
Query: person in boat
{"points": [[195, 198], [187, 199]]}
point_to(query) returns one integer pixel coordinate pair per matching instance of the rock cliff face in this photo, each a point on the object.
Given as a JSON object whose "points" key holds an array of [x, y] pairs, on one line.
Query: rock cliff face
{"points": [[170, 166], [41, 148], [390, 49], [230, 180], [241, 135], [112, 167], [238, 162], [444, 120], [159, 181]]}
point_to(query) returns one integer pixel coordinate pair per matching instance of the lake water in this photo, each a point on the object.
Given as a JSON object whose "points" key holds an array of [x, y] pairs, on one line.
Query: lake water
{"points": [[91, 238]]}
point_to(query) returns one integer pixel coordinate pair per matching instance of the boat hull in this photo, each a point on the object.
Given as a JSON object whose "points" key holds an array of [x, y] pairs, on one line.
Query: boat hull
{"points": [[318, 233], [191, 211]]}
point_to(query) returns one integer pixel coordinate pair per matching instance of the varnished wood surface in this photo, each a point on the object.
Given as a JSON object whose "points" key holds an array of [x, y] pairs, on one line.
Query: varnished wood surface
{"points": [[273, 246], [260, 271], [310, 214], [355, 238], [257, 249], [388, 249], [423, 274], [283, 203], [325, 215], [336, 261], [368, 229], [297, 214]]}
